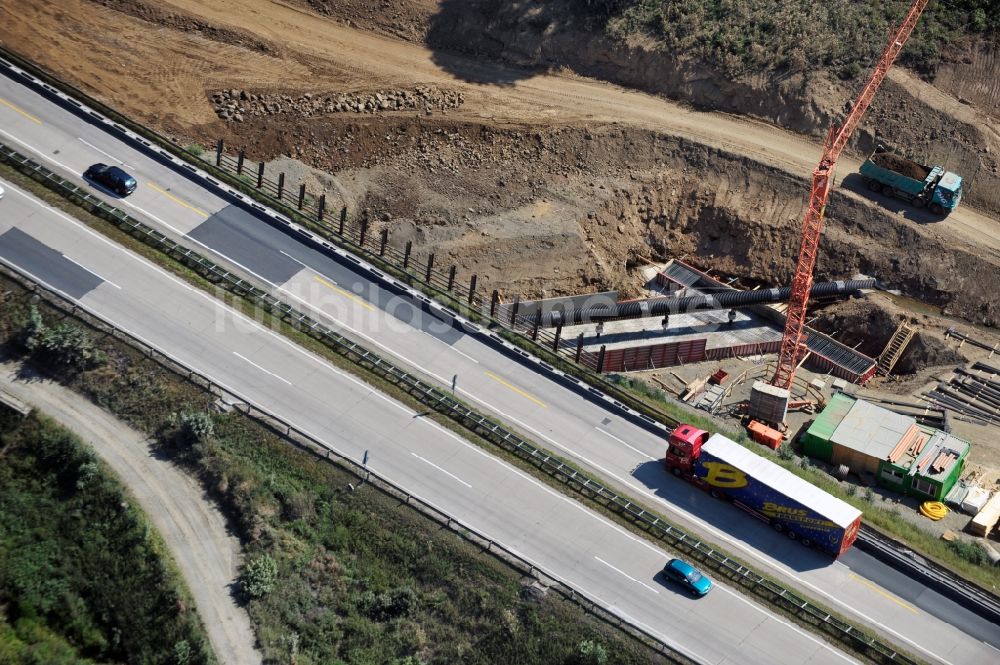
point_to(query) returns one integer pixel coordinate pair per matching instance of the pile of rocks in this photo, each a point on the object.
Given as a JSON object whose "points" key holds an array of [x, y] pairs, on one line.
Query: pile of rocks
{"points": [[239, 105]]}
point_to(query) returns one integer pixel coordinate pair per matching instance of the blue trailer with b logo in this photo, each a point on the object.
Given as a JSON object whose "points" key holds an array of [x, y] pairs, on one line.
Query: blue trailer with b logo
{"points": [[788, 503]]}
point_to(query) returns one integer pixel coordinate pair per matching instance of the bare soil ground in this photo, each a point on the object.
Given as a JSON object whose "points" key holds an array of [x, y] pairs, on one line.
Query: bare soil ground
{"points": [[193, 528], [538, 182]]}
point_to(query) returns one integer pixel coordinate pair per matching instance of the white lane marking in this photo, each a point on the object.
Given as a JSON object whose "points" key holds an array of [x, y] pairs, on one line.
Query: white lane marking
{"points": [[243, 267], [449, 346], [307, 267], [624, 574], [670, 507], [447, 473], [103, 279], [605, 433], [152, 216], [244, 358], [214, 301], [102, 152], [333, 318], [37, 151]]}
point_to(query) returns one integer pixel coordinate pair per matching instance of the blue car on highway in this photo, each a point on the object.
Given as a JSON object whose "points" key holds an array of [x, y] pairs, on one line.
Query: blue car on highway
{"points": [[688, 576]]}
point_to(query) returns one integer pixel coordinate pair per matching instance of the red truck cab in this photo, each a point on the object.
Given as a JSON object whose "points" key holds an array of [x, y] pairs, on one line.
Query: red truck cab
{"points": [[684, 446]]}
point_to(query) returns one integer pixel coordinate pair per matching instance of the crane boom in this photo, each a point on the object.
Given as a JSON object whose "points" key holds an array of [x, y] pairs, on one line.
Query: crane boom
{"points": [[812, 225]]}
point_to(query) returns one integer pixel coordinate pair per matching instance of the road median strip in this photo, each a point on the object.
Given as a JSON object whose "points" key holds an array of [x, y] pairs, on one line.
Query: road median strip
{"points": [[806, 612]]}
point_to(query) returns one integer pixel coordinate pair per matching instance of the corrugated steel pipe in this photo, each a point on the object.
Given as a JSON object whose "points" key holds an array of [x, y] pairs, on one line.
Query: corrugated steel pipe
{"points": [[638, 309]]}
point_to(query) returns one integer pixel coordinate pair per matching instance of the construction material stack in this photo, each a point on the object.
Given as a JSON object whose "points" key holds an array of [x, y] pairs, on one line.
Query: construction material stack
{"points": [[987, 518]]}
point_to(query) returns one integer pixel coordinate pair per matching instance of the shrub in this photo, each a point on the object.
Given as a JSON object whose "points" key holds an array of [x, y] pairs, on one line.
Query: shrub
{"points": [[592, 652], [86, 472], [182, 652], [785, 451], [195, 150], [63, 345], [195, 426], [259, 576], [390, 604], [869, 495], [971, 552]]}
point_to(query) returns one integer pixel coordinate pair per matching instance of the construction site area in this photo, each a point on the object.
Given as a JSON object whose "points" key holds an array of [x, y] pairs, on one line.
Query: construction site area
{"points": [[484, 139]]}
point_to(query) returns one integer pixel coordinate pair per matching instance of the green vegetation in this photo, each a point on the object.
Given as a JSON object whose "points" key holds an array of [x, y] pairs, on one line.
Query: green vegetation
{"points": [[62, 346], [83, 578], [335, 575], [971, 552], [195, 149], [843, 36], [332, 575]]}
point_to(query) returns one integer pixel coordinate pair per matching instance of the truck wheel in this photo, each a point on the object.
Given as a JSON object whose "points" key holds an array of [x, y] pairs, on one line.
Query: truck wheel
{"points": [[778, 526], [791, 535], [807, 542], [875, 185], [676, 471], [919, 203], [936, 209], [716, 494]]}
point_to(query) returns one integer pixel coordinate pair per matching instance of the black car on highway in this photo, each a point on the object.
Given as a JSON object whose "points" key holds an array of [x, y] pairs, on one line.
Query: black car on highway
{"points": [[111, 178]]}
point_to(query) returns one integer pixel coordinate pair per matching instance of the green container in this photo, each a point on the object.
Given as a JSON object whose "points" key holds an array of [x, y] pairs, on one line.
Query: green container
{"points": [[816, 440]]}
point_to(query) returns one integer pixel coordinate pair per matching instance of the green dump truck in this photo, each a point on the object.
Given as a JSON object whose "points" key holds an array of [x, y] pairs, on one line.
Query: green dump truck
{"points": [[930, 186]]}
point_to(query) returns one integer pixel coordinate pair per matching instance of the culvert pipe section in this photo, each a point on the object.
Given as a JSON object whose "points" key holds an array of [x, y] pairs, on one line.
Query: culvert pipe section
{"points": [[637, 309]]}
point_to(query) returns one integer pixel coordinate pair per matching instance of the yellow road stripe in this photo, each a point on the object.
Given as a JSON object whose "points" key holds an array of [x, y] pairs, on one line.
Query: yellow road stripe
{"points": [[24, 113], [887, 595], [516, 389], [334, 287], [177, 200]]}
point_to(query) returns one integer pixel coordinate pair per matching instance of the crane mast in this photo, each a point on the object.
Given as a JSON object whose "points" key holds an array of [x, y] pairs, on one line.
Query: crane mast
{"points": [[812, 225]]}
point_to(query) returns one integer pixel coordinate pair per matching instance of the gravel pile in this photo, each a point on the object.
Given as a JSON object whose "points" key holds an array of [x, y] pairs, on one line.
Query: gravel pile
{"points": [[239, 105]]}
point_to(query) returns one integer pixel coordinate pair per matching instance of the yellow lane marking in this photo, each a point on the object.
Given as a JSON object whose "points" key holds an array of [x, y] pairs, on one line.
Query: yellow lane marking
{"points": [[516, 389], [334, 287], [24, 113], [887, 595], [177, 200]]}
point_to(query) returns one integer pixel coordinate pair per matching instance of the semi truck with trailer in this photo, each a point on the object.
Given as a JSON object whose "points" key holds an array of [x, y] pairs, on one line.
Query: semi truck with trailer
{"points": [[774, 495], [931, 186]]}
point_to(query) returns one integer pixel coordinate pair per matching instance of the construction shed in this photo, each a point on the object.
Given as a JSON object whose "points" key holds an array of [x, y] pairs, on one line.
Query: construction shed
{"points": [[902, 455], [926, 463]]}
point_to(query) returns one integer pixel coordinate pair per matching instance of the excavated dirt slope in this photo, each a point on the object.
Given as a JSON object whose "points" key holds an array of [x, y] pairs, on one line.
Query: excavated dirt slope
{"points": [[539, 183]]}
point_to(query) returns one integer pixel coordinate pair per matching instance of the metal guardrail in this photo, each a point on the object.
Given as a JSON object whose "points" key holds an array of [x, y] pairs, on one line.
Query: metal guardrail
{"points": [[583, 366], [418, 267], [307, 443], [483, 426]]}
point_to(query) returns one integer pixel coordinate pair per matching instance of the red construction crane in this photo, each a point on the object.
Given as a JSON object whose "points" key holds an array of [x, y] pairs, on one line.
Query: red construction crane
{"points": [[812, 225]]}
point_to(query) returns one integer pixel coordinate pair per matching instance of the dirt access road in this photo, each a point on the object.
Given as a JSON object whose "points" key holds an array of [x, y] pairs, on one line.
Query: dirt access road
{"points": [[192, 527], [163, 76]]}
